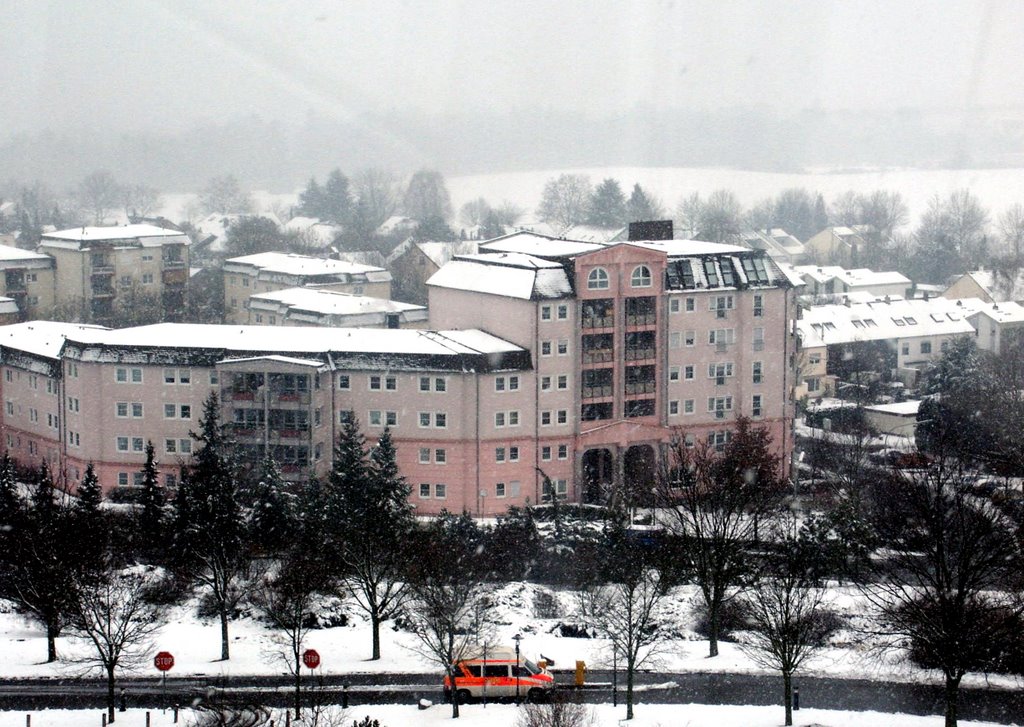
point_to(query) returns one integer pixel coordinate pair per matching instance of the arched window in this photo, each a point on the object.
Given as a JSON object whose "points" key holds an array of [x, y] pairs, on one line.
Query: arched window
{"points": [[598, 279], [641, 277]]}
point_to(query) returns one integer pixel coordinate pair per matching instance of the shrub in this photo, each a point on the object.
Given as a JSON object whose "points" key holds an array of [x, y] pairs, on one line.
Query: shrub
{"points": [[732, 618], [559, 711]]}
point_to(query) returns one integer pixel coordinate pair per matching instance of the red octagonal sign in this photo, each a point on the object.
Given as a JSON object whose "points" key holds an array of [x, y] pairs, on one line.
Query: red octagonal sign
{"points": [[311, 658], [164, 661]]}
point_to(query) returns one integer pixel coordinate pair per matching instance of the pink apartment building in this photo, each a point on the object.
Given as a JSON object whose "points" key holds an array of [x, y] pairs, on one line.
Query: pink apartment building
{"points": [[574, 361]]}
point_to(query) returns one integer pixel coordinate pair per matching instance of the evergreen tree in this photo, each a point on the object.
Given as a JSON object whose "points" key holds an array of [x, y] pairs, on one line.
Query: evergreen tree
{"points": [[209, 526], [90, 494], [433, 229], [427, 196], [90, 530], [607, 206], [642, 207], [311, 199], [270, 520], [10, 501], [337, 199], [151, 519], [44, 507]]}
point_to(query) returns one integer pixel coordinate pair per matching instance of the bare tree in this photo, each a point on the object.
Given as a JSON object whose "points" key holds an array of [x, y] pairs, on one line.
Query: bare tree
{"points": [[884, 210], [509, 213], [377, 194], [720, 217], [113, 615], [139, 199], [565, 199], [225, 195], [446, 591], [786, 624], [98, 194], [1011, 227], [475, 211], [941, 592], [714, 503], [426, 196], [846, 209]]}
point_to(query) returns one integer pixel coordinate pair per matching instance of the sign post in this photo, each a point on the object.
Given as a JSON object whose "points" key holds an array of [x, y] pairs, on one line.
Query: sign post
{"points": [[311, 660], [164, 662]]}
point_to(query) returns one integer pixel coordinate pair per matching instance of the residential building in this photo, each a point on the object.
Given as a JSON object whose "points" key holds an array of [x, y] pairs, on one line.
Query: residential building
{"points": [[634, 344], [412, 264], [833, 281], [100, 268], [319, 307], [991, 286], [29, 279], [891, 336], [266, 272], [845, 246], [778, 243]]}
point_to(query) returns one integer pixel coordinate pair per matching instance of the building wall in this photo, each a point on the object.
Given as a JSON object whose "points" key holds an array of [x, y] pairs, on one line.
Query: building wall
{"points": [[966, 287], [238, 286], [35, 294], [31, 410]]}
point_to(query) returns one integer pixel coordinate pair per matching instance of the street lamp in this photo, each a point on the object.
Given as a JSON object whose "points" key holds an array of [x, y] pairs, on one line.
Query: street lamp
{"points": [[517, 638]]}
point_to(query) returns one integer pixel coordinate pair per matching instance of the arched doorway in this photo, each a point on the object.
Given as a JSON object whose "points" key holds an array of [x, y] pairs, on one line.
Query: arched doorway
{"points": [[598, 475]]}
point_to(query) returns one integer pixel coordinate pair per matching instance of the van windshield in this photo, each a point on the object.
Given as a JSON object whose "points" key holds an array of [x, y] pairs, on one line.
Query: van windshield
{"points": [[531, 667]]}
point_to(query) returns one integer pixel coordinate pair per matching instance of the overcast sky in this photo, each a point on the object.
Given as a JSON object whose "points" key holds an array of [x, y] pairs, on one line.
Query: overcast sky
{"points": [[167, 64]]}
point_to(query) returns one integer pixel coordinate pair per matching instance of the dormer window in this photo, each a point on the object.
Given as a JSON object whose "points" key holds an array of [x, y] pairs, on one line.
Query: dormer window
{"points": [[641, 277], [598, 279]]}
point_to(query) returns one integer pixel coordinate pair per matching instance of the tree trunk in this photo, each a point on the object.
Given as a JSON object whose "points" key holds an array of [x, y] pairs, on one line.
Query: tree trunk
{"points": [[714, 617], [225, 648], [629, 690], [52, 632], [787, 695], [375, 624], [952, 693], [110, 694], [298, 685]]}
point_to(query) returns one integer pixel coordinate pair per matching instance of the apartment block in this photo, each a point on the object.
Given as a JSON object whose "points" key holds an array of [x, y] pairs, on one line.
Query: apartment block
{"points": [[28, 278], [320, 307], [273, 271], [98, 267]]}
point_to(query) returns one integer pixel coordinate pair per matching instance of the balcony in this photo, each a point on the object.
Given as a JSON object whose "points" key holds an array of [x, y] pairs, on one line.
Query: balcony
{"points": [[599, 355], [640, 387], [597, 392], [178, 276], [103, 291], [290, 397], [174, 264], [641, 319], [639, 354]]}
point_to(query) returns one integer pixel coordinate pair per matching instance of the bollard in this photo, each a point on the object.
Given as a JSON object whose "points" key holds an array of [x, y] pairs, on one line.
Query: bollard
{"points": [[147, 719], [581, 673], [288, 719], [104, 721], [344, 696], [796, 698], [28, 720], [176, 706]]}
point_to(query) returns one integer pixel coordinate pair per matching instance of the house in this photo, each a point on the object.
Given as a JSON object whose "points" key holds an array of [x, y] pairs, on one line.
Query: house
{"points": [[29, 280], [269, 271], [593, 233], [833, 281], [98, 268], [991, 286], [413, 263], [778, 243], [396, 225], [313, 234], [212, 232], [890, 337], [635, 345], [322, 307], [844, 246]]}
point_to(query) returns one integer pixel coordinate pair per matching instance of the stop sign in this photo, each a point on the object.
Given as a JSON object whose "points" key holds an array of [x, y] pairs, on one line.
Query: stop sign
{"points": [[163, 661], [311, 658]]}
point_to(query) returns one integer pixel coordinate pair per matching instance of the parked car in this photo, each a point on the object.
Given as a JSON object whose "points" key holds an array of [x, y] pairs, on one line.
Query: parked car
{"points": [[497, 677]]}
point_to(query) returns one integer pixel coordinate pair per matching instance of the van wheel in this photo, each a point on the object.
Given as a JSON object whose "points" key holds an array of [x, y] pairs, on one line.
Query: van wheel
{"points": [[463, 696], [535, 696]]}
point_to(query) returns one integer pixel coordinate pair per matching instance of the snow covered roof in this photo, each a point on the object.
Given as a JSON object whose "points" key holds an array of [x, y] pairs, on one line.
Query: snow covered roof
{"points": [[395, 223], [593, 233], [532, 243], [283, 263], [855, 278], [1005, 312], [278, 359], [684, 248], [329, 302], [513, 275], [8, 305], [460, 350], [879, 320], [1001, 286], [440, 253], [902, 408], [15, 257], [42, 338], [110, 234]]}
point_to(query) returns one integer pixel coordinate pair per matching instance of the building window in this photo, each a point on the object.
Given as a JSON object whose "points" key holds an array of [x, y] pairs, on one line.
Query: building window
{"points": [[758, 372], [424, 455], [563, 312], [424, 417], [499, 489], [674, 305], [563, 347], [440, 491], [755, 406], [121, 409], [344, 382], [690, 338], [513, 418], [122, 479], [545, 418], [170, 480], [758, 305], [545, 383], [641, 277], [563, 451], [545, 348], [391, 419], [545, 453], [441, 384], [440, 456], [562, 416], [122, 444], [759, 339], [545, 313], [597, 279], [688, 406], [374, 418], [563, 381], [424, 383], [345, 416], [499, 454], [673, 408], [673, 373], [125, 375], [499, 419], [390, 383], [440, 420], [926, 346], [813, 384], [170, 446], [375, 383], [424, 490], [214, 378], [688, 372]]}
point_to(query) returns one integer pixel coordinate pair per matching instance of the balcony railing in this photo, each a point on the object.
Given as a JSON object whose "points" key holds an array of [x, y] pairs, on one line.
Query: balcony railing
{"points": [[597, 392], [641, 319], [598, 321], [639, 354], [641, 387], [598, 355], [102, 270]]}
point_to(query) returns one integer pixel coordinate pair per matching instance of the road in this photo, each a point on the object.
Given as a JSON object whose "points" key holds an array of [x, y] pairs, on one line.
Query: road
{"points": [[994, 705]]}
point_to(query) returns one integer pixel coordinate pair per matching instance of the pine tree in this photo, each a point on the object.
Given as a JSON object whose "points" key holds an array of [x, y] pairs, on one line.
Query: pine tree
{"points": [[209, 525], [311, 199], [44, 507], [10, 501], [151, 519], [270, 520], [89, 528], [607, 205], [90, 494], [641, 207], [337, 199]]}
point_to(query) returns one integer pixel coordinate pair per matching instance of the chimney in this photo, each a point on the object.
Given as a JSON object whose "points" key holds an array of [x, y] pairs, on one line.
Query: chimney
{"points": [[652, 230]]}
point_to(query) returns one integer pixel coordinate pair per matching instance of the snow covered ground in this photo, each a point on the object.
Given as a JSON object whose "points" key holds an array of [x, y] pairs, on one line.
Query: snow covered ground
{"points": [[497, 715], [195, 643]]}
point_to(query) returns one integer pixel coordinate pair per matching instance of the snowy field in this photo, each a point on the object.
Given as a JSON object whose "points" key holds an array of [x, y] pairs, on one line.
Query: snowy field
{"points": [[499, 715], [996, 188]]}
